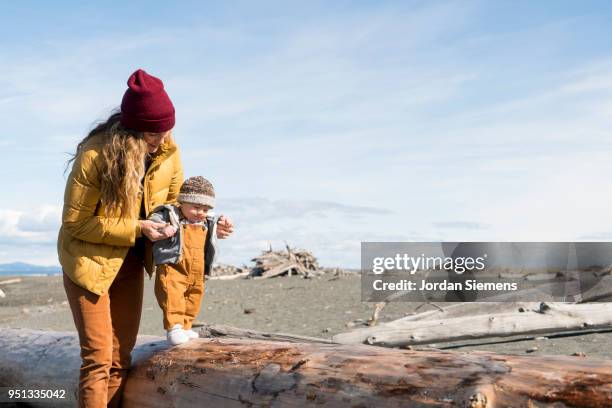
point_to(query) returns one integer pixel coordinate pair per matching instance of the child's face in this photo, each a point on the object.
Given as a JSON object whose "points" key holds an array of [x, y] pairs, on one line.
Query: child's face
{"points": [[194, 212]]}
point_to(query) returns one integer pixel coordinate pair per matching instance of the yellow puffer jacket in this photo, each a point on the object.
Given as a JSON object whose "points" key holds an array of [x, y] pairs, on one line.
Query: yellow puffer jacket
{"points": [[92, 246]]}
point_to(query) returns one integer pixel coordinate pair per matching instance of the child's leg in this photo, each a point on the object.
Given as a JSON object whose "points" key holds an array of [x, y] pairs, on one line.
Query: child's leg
{"points": [[193, 300], [170, 287]]}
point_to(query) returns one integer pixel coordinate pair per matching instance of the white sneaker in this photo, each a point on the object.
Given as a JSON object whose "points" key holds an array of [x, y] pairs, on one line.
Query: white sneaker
{"points": [[191, 334], [177, 335]]}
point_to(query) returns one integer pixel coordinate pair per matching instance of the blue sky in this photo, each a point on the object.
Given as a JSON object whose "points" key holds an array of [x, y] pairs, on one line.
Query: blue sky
{"points": [[325, 124]]}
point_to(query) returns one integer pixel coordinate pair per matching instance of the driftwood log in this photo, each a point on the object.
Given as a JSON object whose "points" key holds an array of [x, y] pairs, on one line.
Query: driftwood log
{"points": [[223, 331], [602, 292], [239, 373], [546, 318], [10, 281], [238, 275]]}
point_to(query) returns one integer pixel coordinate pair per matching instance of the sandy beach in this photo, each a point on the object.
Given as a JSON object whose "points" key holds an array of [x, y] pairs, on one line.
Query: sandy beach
{"points": [[319, 307]]}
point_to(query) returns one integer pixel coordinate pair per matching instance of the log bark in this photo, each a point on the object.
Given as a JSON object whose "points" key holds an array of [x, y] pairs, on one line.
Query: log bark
{"points": [[238, 373], [242, 372], [548, 318], [49, 360]]}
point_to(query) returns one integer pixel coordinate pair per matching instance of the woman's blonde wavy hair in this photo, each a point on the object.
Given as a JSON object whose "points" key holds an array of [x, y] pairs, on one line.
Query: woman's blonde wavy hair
{"points": [[123, 165]]}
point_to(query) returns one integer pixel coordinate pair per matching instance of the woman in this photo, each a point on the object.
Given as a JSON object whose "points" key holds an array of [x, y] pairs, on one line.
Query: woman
{"points": [[122, 170]]}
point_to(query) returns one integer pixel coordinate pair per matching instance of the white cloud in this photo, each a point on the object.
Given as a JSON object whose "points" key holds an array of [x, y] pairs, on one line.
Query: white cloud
{"points": [[29, 235], [568, 203], [37, 225], [41, 220]]}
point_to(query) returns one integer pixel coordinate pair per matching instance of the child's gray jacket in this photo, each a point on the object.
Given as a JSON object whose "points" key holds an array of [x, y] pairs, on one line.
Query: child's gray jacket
{"points": [[170, 251]]}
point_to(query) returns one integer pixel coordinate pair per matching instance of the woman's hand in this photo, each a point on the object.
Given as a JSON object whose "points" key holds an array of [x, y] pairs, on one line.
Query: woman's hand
{"points": [[156, 231], [225, 227]]}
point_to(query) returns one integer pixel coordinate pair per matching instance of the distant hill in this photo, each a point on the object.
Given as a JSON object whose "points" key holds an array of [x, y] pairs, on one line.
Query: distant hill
{"points": [[22, 268]]}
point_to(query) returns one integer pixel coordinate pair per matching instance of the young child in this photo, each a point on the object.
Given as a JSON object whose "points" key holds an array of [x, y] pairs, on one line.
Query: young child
{"points": [[183, 259]]}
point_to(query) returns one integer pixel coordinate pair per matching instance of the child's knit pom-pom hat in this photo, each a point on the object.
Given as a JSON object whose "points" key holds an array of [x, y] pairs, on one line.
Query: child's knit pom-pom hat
{"points": [[197, 190]]}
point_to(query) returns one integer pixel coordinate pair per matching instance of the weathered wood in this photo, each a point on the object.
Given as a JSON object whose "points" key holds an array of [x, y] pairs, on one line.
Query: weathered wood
{"points": [[600, 296], [238, 373], [278, 270], [602, 292], [9, 281], [378, 307], [49, 360], [243, 372], [516, 339], [275, 263], [220, 330], [467, 309], [548, 318]]}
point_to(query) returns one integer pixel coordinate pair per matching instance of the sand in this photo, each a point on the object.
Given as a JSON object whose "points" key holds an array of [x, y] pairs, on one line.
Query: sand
{"points": [[318, 307]]}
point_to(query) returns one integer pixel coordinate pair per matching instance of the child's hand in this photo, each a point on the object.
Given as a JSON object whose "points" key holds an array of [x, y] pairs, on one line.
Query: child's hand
{"points": [[168, 230], [225, 227]]}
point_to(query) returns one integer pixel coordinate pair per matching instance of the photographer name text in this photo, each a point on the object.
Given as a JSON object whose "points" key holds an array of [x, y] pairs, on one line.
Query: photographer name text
{"points": [[470, 284]]}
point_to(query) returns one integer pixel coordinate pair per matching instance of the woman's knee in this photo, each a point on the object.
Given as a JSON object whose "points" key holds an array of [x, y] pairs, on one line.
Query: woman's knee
{"points": [[97, 355]]}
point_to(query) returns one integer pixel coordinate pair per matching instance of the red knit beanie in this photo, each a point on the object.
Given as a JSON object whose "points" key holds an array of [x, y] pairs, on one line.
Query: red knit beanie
{"points": [[146, 106]]}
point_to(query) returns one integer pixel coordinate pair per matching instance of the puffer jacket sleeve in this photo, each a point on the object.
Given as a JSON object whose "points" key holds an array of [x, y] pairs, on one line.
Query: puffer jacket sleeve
{"points": [[177, 178], [82, 197], [160, 214]]}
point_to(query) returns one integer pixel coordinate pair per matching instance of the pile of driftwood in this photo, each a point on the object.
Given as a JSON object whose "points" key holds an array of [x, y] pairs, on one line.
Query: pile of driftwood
{"points": [[223, 272], [279, 263], [271, 264], [289, 262]]}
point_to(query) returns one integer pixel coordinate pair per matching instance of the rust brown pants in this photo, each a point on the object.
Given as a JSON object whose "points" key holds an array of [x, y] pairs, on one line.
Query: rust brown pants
{"points": [[179, 287], [107, 327]]}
